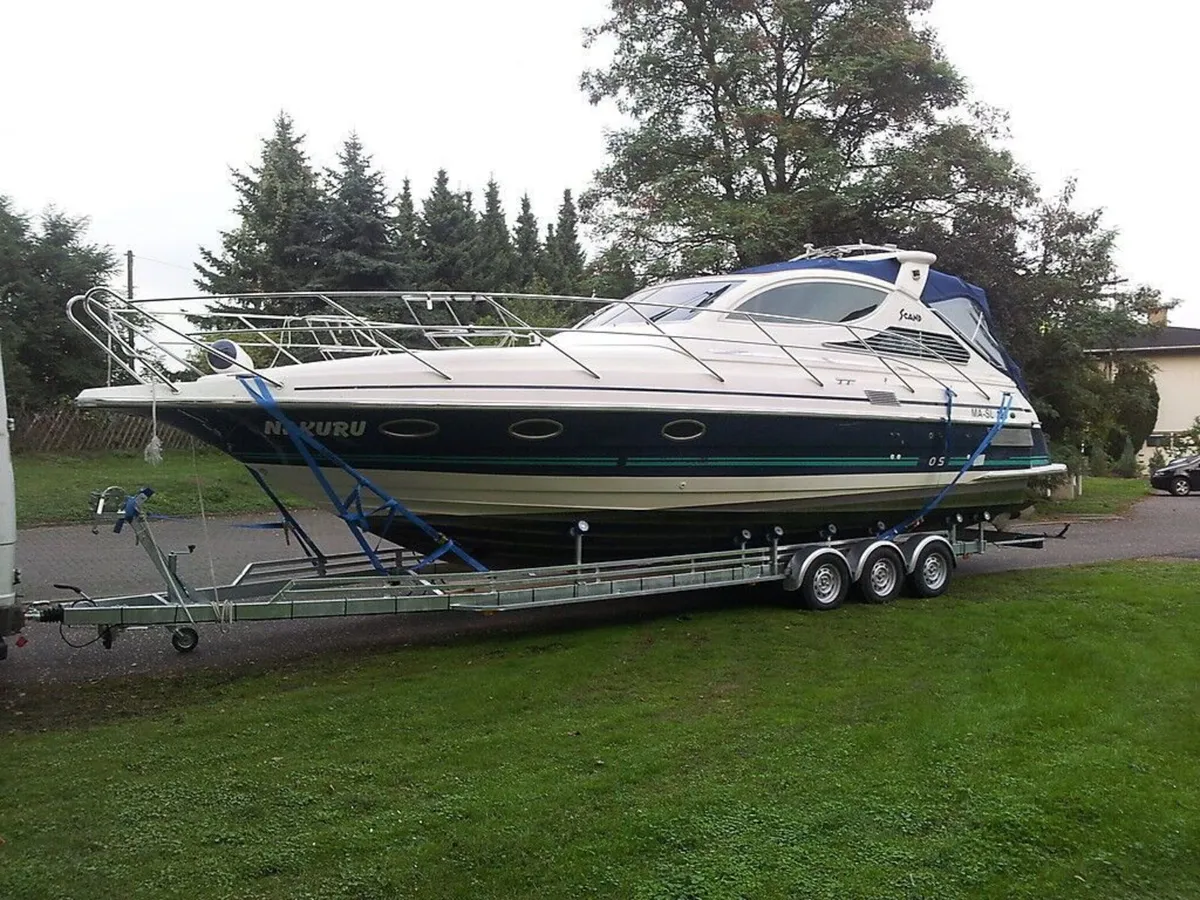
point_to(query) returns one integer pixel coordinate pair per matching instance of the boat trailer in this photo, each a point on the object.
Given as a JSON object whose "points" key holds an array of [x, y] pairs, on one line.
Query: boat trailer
{"points": [[821, 573]]}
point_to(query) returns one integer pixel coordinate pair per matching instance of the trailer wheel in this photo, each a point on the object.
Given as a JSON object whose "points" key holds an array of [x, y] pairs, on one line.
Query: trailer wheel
{"points": [[185, 639], [882, 576], [931, 573], [826, 583]]}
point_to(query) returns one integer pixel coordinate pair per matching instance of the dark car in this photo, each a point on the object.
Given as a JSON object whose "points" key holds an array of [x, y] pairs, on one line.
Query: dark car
{"points": [[1180, 476]]}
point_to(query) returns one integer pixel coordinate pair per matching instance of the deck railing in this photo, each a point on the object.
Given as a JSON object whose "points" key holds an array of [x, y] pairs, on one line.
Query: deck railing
{"points": [[166, 340]]}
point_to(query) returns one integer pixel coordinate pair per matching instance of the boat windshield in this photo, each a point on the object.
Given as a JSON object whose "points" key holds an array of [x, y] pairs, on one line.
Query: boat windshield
{"points": [[671, 302], [965, 317]]}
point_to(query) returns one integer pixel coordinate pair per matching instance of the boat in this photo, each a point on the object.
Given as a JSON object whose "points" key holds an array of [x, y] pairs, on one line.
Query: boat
{"points": [[838, 392]]}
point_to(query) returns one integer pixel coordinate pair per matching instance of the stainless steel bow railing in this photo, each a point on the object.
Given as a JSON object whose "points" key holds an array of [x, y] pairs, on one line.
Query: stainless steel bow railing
{"points": [[144, 339]]}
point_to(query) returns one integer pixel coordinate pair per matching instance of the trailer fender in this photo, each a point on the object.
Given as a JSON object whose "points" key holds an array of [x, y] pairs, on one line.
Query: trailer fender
{"points": [[912, 550], [802, 561], [862, 550]]}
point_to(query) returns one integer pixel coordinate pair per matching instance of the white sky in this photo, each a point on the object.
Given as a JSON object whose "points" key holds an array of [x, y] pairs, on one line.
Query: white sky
{"points": [[132, 112]]}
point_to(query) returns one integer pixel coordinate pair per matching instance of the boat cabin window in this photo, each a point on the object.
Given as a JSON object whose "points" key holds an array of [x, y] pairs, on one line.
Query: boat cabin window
{"points": [[819, 301], [967, 319], [671, 302]]}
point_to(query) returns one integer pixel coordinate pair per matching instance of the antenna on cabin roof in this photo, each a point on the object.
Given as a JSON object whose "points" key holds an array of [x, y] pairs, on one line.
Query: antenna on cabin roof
{"points": [[846, 251]]}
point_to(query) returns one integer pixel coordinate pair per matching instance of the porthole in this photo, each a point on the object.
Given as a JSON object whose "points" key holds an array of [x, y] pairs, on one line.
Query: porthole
{"points": [[684, 430], [410, 428], [535, 429]]}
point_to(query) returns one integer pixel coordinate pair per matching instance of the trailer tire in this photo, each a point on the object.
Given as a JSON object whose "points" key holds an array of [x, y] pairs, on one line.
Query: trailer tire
{"points": [[185, 639], [881, 578], [931, 570], [826, 583]]}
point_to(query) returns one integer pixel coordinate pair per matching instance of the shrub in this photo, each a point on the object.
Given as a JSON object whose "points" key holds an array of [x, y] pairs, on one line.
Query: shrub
{"points": [[1157, 459], [1099, 464], [1128, 466]]}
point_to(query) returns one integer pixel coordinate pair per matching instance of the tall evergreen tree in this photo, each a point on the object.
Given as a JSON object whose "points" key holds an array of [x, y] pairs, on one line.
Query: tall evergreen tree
{"points": [[549, 269], [568, 255], [527, 245], [358, 252], [447, 229], [406, 240], [495, 262], [46, 358], [276, 246]]}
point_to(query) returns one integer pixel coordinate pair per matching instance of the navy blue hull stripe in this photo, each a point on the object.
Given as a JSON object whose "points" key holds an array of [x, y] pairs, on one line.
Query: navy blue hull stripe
{"points": [[635, 390]]}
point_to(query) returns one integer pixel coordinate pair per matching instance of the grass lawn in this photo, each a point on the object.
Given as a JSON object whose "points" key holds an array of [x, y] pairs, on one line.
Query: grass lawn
{"points": [[1101, 496], [1030, 735], [55, 489]]}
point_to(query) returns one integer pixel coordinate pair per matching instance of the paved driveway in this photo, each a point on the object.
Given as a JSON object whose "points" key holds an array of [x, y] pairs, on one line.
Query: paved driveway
{"points": [[107, 564]]}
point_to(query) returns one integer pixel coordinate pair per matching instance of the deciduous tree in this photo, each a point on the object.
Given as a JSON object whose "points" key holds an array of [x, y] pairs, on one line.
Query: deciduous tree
{"points": [[762, 125], [42, 265]]}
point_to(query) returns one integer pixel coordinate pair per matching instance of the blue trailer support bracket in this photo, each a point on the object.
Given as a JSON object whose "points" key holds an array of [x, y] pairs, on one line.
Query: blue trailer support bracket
{"points": [[350, 508], [289, 523], [1001, 419]]}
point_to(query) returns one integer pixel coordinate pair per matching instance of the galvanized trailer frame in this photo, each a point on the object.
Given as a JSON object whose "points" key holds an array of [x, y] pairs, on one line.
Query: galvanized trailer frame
{"points": [[347, 584]]}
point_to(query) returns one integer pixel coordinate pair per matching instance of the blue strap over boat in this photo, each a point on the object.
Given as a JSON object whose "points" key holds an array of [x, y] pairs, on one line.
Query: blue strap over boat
{"points": [[350, 508], [1001, 420], [950, 395]]}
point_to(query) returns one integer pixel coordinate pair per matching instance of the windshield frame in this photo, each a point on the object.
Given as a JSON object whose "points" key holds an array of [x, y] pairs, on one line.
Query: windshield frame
{"points": [[639, 307], [981, 349]]}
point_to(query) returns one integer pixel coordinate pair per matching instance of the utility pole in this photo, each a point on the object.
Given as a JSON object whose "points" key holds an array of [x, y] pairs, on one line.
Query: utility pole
{"points": [[129, 296]]}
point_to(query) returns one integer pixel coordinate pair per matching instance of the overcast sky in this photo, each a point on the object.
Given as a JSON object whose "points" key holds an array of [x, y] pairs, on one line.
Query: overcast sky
{"points": [[132, 112]]}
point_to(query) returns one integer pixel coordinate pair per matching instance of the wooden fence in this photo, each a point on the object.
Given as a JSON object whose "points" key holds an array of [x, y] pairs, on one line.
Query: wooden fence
{"points": [[68, 429]]}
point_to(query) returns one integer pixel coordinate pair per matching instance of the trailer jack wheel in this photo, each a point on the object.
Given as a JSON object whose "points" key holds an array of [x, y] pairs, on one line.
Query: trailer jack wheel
{"points": [[185, 639]]}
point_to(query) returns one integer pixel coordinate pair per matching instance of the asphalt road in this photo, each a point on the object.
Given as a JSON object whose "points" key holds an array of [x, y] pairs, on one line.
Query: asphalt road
{"points": [[108, 564]]}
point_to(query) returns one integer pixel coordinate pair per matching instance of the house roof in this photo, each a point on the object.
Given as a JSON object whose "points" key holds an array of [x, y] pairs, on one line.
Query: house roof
{"points": [[1158, 340]]}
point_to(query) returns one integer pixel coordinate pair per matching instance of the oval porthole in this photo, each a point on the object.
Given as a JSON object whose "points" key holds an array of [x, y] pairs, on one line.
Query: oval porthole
{"points": [[410, 428], [535, 429], [684, 430]]}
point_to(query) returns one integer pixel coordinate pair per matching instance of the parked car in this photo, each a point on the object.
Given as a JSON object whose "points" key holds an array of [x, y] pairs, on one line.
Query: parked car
{"points": [[1180, 476]]}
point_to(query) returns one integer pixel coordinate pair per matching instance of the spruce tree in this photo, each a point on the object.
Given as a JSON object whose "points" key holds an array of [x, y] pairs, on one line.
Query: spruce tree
{"points": [[447, 230], [406, 240], [527, 247], [276, 247], [358, 253], [549, 267], [568, 255], [494, 260]]}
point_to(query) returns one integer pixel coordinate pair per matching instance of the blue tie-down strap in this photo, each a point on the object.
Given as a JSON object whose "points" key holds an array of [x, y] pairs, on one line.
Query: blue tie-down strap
{"points": [[1001, 420], [350, 508]]}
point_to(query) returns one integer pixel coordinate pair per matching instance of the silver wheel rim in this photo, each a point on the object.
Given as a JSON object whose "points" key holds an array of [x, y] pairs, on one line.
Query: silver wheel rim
{"points": [[934, 571], [883, 577], [827, 583], [1182, 488]]}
